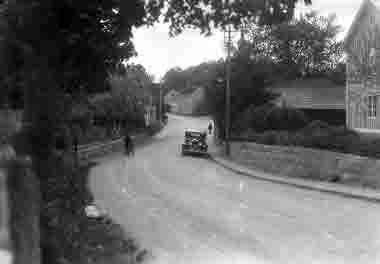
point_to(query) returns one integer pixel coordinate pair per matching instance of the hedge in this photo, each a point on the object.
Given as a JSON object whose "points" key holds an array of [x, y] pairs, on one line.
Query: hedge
{"points": [[271, 117], [319, 135]]}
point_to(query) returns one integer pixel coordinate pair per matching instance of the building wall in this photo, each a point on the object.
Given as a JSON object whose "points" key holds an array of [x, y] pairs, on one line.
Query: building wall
{"points": [[363, 72]]}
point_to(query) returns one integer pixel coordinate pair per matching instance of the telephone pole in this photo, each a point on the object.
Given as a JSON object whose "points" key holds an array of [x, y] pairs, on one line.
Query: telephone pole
{"points": [[160, 106], [228, 43]]}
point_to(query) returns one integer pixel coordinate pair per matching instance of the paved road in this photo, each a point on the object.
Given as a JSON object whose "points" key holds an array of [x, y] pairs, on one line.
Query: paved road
{"points": [[189, 210]]}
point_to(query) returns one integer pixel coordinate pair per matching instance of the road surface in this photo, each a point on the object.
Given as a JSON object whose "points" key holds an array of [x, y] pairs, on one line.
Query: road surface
{"points": [[190, 210]]}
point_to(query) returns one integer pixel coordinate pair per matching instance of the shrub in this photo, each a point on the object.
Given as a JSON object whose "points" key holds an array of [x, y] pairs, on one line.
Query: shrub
{"points": [[320, 135], [367, 147], [154, 128], [316, 126], [285, 138], [259, 117], [269, 138], [285, 118], [254, 117]]}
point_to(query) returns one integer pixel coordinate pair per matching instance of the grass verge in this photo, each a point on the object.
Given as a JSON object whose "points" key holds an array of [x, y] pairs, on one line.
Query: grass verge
{"points": [[309, 164]]}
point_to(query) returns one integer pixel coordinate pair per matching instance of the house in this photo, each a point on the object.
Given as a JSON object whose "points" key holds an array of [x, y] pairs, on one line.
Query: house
{"points": [[362, 46], [319, 98]]}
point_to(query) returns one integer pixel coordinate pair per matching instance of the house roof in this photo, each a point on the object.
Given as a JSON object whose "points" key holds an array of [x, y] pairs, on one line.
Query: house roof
{"points": [[317, 93], [366, 5]]}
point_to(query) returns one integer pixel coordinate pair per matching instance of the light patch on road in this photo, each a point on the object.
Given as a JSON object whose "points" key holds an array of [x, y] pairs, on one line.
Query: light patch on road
{"points": [[155, 212], [329, 235], [243, 206], [241, 186], [220, 185]]}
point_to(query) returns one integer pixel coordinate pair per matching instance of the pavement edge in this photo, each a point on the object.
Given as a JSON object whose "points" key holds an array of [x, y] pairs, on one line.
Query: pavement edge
{"points": [[299, 183]]}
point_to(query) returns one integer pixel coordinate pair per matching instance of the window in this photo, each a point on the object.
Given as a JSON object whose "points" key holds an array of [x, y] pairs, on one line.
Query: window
{"points": [[372, 105], [372, 20]]}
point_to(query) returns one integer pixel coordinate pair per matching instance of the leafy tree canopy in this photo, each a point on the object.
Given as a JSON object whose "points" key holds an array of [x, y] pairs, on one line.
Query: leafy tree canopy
{"points": [[132, 85], [208, 14], [303, 47]]}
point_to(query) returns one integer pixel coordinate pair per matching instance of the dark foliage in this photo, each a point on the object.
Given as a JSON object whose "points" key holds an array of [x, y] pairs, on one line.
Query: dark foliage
{"points": [[285, 118], [319, 135], [271, 117], [249, 82], [154, 128]]}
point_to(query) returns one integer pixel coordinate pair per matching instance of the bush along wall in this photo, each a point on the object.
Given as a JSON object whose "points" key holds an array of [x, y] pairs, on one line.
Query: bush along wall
{"points": [[270, 117], [319, 135]]}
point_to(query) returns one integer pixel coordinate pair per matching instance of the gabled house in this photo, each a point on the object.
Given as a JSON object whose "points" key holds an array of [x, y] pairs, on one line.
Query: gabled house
{"points": [[319, 98], [362, 46]]}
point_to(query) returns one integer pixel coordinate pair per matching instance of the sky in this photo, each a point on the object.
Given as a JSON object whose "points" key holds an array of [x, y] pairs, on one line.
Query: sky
{"points": [[158, 52]]}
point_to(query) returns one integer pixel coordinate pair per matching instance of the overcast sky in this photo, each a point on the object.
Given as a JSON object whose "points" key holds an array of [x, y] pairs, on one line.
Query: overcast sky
{"points": [[157, 52]]}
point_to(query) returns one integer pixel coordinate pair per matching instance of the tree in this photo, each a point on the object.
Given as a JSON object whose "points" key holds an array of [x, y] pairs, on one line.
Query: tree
{"points": [[307, 46], [208, 14], [187, 80], [175, 79], [338, 74], [132, 91], [63, 47], [249, 79], [134, 83]]}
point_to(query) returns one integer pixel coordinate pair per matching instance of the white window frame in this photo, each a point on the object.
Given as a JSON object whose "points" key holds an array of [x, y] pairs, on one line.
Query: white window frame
{"points": [[372, 19], [372, 102]]}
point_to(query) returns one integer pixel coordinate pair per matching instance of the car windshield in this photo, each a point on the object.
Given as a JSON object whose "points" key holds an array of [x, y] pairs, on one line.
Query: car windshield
{"points": [[193, 134]]}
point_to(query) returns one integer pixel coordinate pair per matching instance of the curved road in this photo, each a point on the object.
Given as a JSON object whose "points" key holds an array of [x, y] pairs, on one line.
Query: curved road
{"points": [[190, 210]]}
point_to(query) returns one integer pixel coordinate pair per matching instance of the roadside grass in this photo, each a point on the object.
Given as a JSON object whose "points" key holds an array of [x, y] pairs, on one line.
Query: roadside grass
{"points": [[312, 164]]}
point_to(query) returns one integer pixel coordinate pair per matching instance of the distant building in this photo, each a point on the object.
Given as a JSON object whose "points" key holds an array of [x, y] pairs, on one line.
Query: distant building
{"points": [[319, 98], [362, 46]]}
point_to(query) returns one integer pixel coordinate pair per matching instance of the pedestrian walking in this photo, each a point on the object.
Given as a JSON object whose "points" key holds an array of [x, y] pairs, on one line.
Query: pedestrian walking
{"points": [[131, 147], [209, 128], [128, 144]]}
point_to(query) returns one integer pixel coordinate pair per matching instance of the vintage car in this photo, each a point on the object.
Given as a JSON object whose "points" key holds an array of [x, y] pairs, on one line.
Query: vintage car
{"points": [[195, 142]]}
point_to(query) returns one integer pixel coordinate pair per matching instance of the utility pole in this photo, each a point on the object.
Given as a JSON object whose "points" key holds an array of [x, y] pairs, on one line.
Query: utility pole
{"points": [[160, 106], [228, 43]]}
